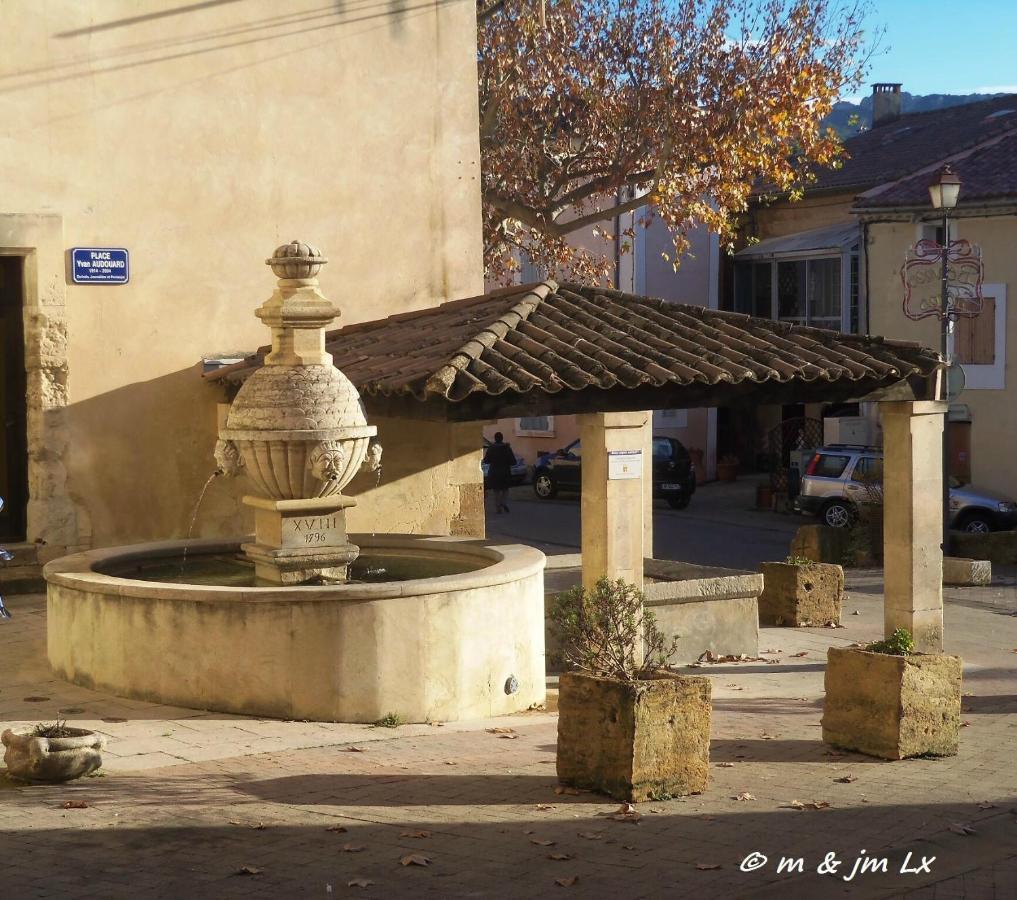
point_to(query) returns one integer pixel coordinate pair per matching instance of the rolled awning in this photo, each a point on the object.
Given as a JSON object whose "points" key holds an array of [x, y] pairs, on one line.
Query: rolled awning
{"points": [[832, 238]]}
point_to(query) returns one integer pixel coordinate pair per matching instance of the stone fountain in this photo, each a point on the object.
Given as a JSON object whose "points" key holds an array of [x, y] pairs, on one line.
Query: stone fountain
{"points": [[298, 428], [304, 621]]}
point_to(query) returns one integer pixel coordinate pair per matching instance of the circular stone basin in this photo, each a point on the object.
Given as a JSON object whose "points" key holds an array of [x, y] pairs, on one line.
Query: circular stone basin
{"points": [[460, 636]]}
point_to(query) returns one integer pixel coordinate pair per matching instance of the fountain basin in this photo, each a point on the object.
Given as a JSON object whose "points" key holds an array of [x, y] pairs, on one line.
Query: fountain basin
{"points": [[443, 648]]}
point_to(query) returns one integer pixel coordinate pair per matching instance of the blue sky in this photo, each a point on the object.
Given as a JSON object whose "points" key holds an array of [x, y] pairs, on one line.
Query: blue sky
{"points": [[936, 47]]}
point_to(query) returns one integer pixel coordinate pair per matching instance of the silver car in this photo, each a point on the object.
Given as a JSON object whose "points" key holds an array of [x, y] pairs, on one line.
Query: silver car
{"points": [[841, 477]]}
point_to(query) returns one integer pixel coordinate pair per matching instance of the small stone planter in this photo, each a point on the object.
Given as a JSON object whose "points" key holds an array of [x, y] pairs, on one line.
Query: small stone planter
{"points": [[31, 758], [801, 594], [893, 707], [634, 740]]}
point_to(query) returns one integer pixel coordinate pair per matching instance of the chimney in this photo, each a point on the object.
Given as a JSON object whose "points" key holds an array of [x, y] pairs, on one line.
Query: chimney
{"points": [[886, 103]]}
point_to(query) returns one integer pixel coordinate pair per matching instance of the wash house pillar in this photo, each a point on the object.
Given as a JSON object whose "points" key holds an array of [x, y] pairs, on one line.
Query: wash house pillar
{"points": [[913, 520], [617, 498]]}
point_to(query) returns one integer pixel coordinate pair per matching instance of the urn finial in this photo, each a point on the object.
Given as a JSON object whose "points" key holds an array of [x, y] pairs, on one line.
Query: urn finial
{"points": [[296, 260]]}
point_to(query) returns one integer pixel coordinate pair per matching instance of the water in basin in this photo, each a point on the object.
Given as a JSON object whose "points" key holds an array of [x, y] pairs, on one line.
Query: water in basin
{"points": [[233, 570]]}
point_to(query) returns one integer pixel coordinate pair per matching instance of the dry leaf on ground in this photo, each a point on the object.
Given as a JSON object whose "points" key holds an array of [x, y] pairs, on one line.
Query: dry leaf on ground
{"points": [[985, 804], [501, 730], [74, 804], [725, 765], [415, 859], [566, 882], [559, 856], [544, 807], [248, 870], [846, 779], [959, 828], [570, 791], [625, 813], [355, 749], [508, 737], [359, 882], [416, 834], [541, 843], [339, 829], [591, 835], [799, 655], [353, 848], [744, 795], [707, 867]]}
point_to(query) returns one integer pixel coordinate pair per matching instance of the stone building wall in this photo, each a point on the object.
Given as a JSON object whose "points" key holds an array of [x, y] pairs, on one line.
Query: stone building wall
{"points": [[200, 137]]}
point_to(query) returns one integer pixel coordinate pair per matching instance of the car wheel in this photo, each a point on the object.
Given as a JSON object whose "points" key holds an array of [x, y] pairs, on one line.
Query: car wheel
{"points": [[976, 523], [837, 514], [544, 486], [679, 502]]}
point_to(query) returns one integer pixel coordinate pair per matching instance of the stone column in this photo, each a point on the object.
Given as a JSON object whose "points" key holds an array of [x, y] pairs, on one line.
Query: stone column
{"points": [[616, 462], [913, 520]]}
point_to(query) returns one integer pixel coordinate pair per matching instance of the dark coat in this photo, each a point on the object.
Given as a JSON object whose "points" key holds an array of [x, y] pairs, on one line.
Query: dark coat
{"points": [[500, 459]]}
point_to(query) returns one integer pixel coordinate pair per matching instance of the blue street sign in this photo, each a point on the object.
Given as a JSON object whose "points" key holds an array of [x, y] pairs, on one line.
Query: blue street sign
{"points": [[100, 265]]}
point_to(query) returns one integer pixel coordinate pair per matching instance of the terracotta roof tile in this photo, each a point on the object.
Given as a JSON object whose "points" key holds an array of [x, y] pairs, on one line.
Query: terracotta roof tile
{"points": [[547, 339]]}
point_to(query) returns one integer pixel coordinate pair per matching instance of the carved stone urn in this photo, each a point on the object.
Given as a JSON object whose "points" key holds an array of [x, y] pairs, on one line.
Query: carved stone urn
{"points": [[298, 429]]}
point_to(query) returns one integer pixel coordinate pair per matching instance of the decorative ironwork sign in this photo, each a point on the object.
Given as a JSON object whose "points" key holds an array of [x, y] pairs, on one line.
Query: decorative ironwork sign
{"points": [[922, 275]]}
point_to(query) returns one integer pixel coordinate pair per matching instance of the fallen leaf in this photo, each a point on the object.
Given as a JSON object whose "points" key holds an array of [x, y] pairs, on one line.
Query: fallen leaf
{"points": [[415, 859], [846, 779], [451, 762], [707, 867], [591, 835], [541, 843], [725, 765], [958, 828], [799, 655], [234, 822], [818, 804], [744, 795], [359, 882], [559, 856], [355, 749], [339, 829], [248, 870], [416, 834], [74, 804], [566, 882], [794, 804], [965, 724], [627, 847], [261, 826], [986, 805], [508, 737], [544, 807], [501, 731], [625, 813], [856, 613], [571, 791], [353, 848]]}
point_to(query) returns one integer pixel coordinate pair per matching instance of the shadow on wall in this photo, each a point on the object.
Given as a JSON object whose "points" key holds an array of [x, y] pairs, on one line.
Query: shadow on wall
{"points": [[139, 456]]}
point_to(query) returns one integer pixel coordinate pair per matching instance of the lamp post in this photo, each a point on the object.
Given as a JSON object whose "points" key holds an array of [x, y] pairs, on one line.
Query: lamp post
{"points": [[944, 191]]}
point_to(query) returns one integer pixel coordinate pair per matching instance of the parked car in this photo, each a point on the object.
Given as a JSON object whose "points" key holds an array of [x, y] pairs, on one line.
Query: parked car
{"points": [[517, 473], [841, 477], [674, 475]]}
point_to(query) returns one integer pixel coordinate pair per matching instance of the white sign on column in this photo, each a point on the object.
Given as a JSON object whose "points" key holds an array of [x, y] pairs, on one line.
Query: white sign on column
{"points": [[624, 464]]}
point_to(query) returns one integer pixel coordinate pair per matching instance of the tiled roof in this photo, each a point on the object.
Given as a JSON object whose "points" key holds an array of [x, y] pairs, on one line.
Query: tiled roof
{"points": [[534, 346], [987, 172], [912, 142]]}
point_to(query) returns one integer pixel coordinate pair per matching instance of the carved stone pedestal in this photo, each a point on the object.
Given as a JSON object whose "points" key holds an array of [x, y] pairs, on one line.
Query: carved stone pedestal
{"points": [[298, 540]]}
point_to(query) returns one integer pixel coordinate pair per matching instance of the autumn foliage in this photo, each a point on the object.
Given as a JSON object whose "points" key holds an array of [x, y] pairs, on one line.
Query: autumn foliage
{"points": [[591, 107]]}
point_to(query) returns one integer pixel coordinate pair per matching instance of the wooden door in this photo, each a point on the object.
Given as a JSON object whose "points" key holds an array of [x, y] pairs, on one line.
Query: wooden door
{"points": [[13, 403]]}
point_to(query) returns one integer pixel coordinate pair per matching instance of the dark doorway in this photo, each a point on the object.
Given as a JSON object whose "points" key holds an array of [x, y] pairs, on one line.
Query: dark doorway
{"points": [[13, 402]]}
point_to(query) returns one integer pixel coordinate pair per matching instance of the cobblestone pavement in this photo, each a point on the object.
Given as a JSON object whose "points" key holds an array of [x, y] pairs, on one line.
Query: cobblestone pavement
{"points": [[190, 801]]}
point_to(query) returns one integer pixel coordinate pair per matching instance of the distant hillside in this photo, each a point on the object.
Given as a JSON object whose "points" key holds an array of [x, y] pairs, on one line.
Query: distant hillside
{"points": [[847, 119]]}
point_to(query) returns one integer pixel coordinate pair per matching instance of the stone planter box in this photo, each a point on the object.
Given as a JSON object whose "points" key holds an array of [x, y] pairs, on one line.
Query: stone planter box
{"points": [[893, 707], [31, 758], [634, 740], [801, 594]]}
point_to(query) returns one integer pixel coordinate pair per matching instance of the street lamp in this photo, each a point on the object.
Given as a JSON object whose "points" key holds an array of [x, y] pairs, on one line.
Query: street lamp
{"points": [[944, 191]]}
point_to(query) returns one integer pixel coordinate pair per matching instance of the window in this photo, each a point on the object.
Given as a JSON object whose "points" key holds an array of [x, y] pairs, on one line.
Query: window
{"points": [[809, 291], [980, 343], [868, 469], [829, 465], [535, 426], [661, 448], [671, 418]]}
